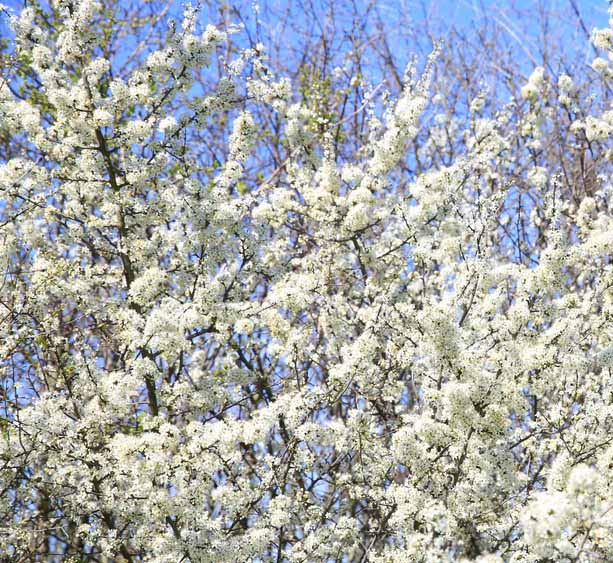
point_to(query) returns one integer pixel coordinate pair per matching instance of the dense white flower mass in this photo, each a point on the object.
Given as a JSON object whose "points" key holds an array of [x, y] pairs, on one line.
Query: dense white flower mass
{"points": [[231, 331]]}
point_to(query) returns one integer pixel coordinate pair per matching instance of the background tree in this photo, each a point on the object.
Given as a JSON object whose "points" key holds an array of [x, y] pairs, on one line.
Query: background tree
{"points": [[280, 292]]}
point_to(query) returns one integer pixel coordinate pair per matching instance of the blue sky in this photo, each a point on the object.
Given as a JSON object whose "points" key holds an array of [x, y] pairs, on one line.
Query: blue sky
{"points": [[454, 12], [519, 18]]}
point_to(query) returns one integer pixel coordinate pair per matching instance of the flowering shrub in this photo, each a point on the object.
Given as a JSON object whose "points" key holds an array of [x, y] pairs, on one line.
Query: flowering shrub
{"points": [[231, 331]]}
